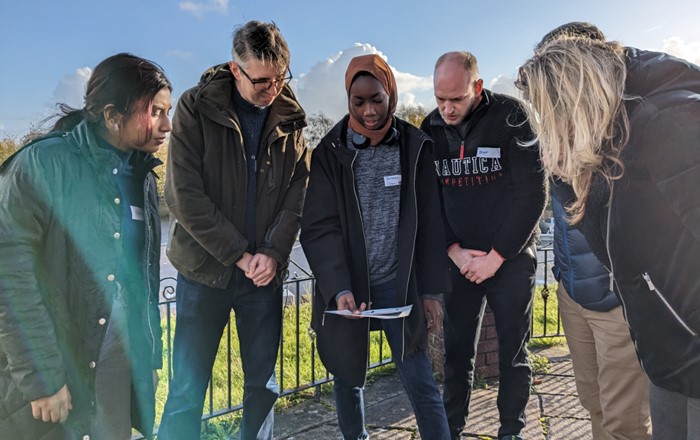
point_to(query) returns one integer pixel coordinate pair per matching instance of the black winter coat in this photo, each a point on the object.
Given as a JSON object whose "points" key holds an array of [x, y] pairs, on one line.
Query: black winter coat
{"points": [[650, 236], [333, 239]]}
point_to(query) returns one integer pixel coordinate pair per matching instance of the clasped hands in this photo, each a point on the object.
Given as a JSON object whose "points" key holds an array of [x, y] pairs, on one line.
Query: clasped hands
{"points": [[475, 265], [259, 268]]}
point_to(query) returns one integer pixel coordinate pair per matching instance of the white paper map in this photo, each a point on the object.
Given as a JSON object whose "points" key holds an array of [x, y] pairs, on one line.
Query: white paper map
{"points": [[388, 313]]}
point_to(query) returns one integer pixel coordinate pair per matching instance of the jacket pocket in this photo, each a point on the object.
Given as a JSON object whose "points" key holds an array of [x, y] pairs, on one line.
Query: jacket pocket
{"points": [[183, 251], [667, 305]]}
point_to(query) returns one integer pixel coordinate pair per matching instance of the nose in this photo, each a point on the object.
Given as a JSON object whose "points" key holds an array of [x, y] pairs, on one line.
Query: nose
{"points": [[369, 110], [166, 126], [276, 85]]}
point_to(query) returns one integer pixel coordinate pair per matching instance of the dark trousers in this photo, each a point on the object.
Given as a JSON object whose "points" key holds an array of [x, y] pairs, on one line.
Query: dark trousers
{"points": [[415, 372], [202, 314], [509, 294]]}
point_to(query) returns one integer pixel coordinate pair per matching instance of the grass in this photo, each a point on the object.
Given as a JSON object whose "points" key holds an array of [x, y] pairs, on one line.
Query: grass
{"points": [[298, 348], [294, 349], [545, 315]]}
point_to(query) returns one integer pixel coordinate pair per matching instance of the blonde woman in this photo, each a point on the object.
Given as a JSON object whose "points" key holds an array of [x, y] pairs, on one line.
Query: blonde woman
{"points": [[620, 127]]}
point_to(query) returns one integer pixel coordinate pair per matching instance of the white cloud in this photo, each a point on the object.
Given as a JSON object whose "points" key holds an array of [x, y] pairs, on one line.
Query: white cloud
{"points": [[199, 9], [177, 53], [504, 84], [322, 89], [71, 87], [679, 48]]}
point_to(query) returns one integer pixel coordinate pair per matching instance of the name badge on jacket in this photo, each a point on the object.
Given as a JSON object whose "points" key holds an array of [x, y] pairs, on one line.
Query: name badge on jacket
{"points": [[392, 180], [489, 152], [136, 213]]}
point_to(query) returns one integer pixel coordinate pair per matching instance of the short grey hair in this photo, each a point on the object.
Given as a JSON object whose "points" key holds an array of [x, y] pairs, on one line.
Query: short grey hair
{"points": [[260, 40]]}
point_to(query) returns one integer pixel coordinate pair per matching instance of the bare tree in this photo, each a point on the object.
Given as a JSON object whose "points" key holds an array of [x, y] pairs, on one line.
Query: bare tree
{"points": [[7, 147], [413, 114], [318, 125]]}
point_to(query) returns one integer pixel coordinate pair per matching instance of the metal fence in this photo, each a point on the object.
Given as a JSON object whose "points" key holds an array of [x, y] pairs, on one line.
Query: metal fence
{"points": [[302, 369]]}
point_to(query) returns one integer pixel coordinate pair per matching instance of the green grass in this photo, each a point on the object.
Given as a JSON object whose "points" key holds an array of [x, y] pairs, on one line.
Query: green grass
{"points": [[544, 318], [224, 426]]}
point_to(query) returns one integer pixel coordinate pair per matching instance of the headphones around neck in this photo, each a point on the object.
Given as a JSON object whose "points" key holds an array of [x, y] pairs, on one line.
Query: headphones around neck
{"points": [[390, 138]]}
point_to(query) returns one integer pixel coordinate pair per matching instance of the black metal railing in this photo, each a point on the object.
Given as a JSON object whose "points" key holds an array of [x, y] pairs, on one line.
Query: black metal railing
{"points": [[549, 320], [298, 290]]}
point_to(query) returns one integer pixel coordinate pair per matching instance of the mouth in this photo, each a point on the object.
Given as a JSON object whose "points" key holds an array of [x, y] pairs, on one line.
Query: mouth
{"points": [[159, 140]]}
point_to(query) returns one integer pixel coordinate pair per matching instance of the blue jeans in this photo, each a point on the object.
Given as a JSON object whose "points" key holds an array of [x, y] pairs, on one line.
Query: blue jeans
{"points": [[673, 415], [509, 294], [415, 372], [202, 315]]}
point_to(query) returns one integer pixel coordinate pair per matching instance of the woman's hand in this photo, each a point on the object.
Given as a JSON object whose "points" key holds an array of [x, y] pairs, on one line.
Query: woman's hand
{"points": [[53, 408]]}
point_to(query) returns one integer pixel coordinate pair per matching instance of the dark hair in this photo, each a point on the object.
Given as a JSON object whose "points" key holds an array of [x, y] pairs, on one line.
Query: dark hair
{"points": [[262, 40], [580, 29], [124, 80]]}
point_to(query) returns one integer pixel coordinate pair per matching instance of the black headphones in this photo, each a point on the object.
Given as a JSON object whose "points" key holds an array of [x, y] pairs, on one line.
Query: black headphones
{"points": [[390, 138]]}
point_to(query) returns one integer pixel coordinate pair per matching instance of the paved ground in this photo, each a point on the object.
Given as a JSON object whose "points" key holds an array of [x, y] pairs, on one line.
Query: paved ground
{"points": [[553, 411]]}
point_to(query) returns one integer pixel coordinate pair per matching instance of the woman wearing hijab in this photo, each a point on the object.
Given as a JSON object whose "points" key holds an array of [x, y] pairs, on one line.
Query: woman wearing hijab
{"points": [[372, 233]]}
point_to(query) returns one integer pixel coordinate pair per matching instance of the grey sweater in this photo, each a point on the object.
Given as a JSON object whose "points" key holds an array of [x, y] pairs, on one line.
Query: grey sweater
{"points": [[377, 172]]}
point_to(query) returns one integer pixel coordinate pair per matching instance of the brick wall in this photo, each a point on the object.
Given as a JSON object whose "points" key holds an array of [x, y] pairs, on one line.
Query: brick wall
{"points": [[487, 350]]}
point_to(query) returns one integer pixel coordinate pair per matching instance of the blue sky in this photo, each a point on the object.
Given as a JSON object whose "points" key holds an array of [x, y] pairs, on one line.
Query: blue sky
{"points": [[47, 48]]}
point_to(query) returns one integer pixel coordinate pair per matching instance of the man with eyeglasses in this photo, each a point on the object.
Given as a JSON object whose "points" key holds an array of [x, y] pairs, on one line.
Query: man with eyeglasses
{"points": [[236, 179], [493, 193]]}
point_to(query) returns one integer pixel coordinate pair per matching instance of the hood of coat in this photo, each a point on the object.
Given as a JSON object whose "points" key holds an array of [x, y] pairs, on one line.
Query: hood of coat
{"points": [[650, 73], [215, 99]]}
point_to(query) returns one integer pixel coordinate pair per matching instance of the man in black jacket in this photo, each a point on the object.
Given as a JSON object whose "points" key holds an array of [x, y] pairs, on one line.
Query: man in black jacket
{"points": [[236, 180], [493, 193]]}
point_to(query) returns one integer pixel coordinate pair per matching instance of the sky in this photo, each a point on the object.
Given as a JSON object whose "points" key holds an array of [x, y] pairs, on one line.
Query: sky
{"points": [[49, 47]]}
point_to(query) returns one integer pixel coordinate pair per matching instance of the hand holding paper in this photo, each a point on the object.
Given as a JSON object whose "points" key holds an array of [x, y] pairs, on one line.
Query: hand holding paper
{"points": [[387, 313]]}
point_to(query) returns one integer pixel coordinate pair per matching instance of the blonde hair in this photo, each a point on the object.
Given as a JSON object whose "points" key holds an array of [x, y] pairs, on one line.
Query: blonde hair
{"points": [[575, 88]]}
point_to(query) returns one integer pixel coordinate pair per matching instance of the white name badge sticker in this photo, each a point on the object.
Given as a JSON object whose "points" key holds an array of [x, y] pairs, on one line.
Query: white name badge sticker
{"points": [[392, 180], [136, 213], [490, 152]]}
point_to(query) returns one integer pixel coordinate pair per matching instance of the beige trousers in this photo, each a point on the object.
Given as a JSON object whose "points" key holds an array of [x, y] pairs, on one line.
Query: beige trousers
{"points": [[610, 383]]}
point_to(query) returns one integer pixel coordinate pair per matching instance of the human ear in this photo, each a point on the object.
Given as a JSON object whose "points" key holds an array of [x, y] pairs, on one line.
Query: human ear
{"points": [[112, 118], [234, 69], [478, 86]]}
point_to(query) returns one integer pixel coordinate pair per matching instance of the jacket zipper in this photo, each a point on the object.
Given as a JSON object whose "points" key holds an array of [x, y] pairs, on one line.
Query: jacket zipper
{"points": [[149, 263], [652, 288], [364, 240], [613, 282], [413, 248]]}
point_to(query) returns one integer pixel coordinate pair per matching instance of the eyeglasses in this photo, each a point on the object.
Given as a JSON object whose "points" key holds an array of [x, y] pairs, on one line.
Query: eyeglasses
{"points": [[264, 84]]}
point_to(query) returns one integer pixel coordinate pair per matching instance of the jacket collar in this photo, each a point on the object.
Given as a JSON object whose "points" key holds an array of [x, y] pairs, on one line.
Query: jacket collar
{"points": [[89, 144], [336, 141], [215, 100]]}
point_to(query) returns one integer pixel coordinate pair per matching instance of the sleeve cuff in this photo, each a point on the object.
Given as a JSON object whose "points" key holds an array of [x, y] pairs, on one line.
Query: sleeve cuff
{"points": [[341, 293]]}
